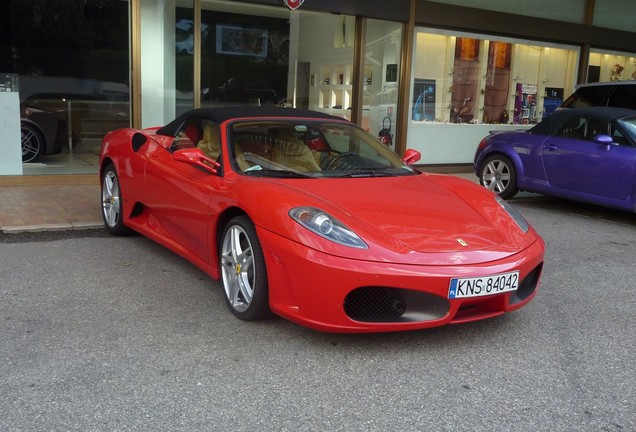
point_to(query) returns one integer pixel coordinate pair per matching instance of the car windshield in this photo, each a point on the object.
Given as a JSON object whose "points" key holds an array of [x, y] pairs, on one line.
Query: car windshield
{"points": [[311, 149]]}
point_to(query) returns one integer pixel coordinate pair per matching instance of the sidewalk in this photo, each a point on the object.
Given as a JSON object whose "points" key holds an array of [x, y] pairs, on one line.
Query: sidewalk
{"points": [[63, 202], [49, 203]]}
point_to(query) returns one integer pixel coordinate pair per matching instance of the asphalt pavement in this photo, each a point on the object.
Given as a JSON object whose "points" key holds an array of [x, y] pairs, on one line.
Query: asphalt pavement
{"points": [[99, 333]]}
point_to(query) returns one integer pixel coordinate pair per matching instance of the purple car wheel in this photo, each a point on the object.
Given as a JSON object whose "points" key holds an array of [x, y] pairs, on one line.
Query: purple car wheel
{"points": [[498, 175]]}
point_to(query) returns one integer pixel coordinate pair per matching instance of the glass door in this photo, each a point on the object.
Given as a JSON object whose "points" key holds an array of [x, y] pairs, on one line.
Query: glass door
{"points": [[383, 55]]}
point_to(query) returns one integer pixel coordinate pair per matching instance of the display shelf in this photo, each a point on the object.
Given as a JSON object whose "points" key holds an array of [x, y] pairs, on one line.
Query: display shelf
{"points": [[324, 98], [335, 92], [337, 99], [325, 75], [338, 77]]}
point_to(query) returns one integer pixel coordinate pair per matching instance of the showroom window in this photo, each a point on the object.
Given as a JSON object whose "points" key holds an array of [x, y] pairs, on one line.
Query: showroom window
{"points": [[249, 55], [611, 66], [244, 54], [69, 62], [462, 84], [256, 55]]}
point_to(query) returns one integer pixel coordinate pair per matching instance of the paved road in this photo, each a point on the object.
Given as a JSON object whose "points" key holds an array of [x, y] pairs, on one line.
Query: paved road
{"points": [[102, 334]]}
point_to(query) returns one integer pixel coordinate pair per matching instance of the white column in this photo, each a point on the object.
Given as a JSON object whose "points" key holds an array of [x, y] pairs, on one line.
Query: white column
{"points": [[158, 82], [10, 138]]}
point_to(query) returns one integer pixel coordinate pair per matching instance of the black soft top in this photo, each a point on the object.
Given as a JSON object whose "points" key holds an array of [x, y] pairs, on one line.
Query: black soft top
{"points": [[221, 114], [550, 125]]}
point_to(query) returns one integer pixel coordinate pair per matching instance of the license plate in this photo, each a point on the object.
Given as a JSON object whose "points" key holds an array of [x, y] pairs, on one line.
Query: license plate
{"points": [[483, 286]]}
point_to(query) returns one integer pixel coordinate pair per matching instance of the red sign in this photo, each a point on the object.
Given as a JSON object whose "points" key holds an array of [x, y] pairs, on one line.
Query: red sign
{"points": [[293, 4]]}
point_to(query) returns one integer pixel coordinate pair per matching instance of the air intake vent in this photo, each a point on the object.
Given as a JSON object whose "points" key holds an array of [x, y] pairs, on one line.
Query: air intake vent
{"points": [[374, 304]]}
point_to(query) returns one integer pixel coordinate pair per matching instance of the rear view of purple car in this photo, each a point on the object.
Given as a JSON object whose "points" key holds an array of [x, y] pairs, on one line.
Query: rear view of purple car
{"points": [[583, 154]]}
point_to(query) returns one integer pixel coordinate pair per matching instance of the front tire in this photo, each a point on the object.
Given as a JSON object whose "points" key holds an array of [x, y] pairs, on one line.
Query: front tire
{"points": [[112, 202], [32, 143], [244, 275], [498, 174]]}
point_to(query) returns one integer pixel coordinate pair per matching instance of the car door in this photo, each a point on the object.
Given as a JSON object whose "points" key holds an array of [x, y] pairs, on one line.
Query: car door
{"points": [[179, 196], [573, 162]]}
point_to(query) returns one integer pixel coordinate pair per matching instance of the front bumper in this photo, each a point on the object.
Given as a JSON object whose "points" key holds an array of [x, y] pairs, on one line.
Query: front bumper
{"points": [[336, 294]]}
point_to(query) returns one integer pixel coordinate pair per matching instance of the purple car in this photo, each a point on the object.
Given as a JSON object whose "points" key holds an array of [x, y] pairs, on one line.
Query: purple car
{"points": [[583, 154]]}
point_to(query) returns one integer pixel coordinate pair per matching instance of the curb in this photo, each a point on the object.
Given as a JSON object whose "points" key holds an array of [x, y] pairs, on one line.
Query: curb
{"points": [[17, 229]]}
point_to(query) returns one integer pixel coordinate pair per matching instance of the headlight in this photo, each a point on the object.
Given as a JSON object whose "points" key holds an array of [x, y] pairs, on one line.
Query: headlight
{"points": [[321, 223], [514, 214]]}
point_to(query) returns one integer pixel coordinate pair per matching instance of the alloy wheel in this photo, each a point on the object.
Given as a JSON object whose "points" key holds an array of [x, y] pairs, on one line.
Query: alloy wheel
{"points": [[498, 175], [238, 268], [32, 144], [111, 199]]}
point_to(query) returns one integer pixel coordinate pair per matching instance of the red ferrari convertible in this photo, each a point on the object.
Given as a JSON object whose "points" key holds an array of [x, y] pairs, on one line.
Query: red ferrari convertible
{"points": [[310, 217]]}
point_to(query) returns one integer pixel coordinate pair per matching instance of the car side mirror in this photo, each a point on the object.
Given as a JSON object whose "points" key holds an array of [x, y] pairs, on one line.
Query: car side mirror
{"points": [[195, 157], [411, 156], [604, 140]]}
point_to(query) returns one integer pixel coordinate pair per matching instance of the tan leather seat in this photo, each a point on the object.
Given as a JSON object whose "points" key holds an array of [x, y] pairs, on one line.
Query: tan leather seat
{"points": [[251, 150], [295, 156], [210, 142], [292, 152]]}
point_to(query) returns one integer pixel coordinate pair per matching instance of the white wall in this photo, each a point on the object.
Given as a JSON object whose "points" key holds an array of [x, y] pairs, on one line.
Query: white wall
{"points": [[10, 137], [451, 143]]}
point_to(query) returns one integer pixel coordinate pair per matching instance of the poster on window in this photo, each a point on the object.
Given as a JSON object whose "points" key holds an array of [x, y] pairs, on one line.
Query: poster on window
{"points": [[497, 83], [423, 100], [525, 104], [467, 49], [553, 99], [241, 41]]}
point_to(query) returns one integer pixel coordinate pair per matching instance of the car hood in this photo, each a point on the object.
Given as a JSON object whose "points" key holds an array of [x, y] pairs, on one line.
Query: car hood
{"points": [[422, 219], [421, 215]]}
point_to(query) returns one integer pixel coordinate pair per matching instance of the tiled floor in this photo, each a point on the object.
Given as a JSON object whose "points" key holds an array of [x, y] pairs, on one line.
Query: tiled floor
{"points": [[63, 163], [37, 206]]}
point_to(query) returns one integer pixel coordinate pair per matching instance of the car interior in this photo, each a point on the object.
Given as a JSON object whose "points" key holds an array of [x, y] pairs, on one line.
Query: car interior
{"points": [[279, 146], [574, 128], [210, 142]]}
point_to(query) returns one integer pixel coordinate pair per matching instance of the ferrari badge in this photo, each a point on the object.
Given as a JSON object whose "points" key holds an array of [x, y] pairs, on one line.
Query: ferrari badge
{"points": [[293, 4]]}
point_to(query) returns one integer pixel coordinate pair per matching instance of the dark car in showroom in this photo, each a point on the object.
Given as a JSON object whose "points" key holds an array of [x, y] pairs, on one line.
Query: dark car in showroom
{"points": [[583, 154], [49, 122]]}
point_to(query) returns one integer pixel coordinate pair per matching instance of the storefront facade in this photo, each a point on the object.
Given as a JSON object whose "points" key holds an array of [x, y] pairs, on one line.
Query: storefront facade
{"points": [[435, 76], [476, 70]]}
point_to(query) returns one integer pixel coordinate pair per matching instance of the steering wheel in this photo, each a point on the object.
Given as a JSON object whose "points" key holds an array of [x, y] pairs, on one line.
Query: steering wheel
{"points": [[333, 163]]}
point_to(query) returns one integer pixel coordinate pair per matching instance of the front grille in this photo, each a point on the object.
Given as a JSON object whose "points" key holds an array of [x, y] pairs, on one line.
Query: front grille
{"points": [[374, 304], [385, 304]]}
